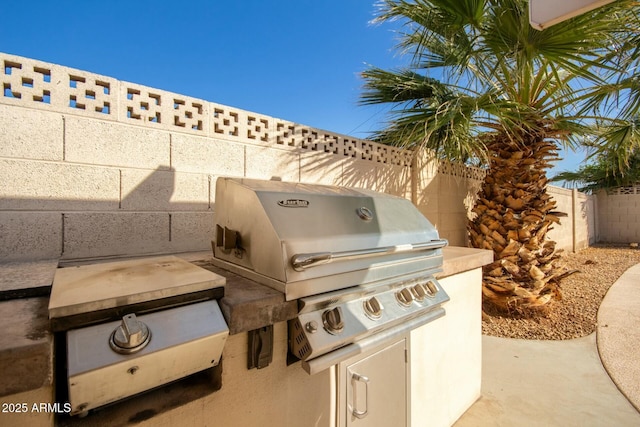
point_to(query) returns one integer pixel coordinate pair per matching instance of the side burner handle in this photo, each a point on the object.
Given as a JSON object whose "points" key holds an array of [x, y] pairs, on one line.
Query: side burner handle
{"points": [[131, 336]]}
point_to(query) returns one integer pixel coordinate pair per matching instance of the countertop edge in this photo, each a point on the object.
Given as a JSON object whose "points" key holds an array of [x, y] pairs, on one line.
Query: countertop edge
{"points": [[458, 259]]}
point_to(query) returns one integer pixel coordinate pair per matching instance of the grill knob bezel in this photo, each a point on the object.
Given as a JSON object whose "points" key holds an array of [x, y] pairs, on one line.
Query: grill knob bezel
{"points": [[372, 308], [431, 288], [333, 320], [404, 297], [131, 336]]}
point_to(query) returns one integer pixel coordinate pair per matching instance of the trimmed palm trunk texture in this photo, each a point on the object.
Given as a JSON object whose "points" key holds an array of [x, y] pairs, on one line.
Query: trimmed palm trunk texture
{"points": [[512, 216]]}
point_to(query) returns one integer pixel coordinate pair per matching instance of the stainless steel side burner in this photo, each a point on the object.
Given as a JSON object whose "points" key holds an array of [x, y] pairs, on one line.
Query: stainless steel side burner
{"points": [[131, 326]]}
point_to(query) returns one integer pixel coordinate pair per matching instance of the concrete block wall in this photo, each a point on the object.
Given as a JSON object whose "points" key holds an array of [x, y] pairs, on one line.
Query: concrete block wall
{"points": [[562, 233], [578, 229], [586, 230], [445, 193], [94, 167], [619, 215]]}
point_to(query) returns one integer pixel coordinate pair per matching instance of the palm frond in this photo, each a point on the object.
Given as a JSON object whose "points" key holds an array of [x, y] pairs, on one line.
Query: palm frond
{"points": [[498, 74]]}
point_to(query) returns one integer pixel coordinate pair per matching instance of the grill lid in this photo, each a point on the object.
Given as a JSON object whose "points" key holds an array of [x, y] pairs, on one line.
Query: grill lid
{"points": [[282, 233]]}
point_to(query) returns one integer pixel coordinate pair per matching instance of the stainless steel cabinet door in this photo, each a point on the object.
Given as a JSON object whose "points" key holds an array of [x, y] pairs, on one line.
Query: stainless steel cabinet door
{"points": [[374, 389]]}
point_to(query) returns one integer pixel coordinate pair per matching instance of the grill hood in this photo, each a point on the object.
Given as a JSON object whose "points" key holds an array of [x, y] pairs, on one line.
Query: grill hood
{"points": [[305, 239]]}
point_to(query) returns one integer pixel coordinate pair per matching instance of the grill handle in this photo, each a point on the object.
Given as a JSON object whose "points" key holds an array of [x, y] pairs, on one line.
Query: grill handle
{"points": [[300, 262], [355, 378]]}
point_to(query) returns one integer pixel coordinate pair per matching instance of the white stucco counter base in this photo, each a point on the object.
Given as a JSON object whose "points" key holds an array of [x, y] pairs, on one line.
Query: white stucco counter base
{"points": [[443, 356], [446, 355]]}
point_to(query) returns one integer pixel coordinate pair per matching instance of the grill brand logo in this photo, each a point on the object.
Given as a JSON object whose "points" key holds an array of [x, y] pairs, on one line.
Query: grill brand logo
{"points": [[293, 203]]}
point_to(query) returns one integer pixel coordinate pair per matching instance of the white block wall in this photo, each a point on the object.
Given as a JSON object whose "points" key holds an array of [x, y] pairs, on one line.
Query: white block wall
{"points": [[619, 215], [95, 167]]}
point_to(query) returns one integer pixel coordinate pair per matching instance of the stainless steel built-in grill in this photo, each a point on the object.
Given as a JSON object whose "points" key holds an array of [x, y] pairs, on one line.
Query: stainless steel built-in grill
{"points": [[360, 263]]}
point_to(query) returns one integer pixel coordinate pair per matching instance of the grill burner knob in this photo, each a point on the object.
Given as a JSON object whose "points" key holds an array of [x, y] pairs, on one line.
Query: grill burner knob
{"points": [[432, 289], [373, 308], [419, 292], [404, 297], [332, 321], [131, 336]]}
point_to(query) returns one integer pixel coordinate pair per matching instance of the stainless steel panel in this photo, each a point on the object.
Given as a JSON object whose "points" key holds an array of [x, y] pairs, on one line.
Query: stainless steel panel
{"points": [[183, 341], [89, 288], [358, 323], [319, 364], [276, 221], [375, 389]]}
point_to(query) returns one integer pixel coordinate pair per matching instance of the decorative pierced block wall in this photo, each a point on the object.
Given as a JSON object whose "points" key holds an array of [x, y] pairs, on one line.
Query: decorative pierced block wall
{"points": [[46, 86], [118, 155], [621, 191], [34, 84], [461, 171]]}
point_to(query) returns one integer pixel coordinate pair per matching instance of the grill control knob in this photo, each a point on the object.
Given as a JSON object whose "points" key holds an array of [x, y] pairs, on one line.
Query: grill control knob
{"points": [[404, 297], [311, 327], [431, 287], [131, 336], [332, 321], [419, 292], [373, 308]]}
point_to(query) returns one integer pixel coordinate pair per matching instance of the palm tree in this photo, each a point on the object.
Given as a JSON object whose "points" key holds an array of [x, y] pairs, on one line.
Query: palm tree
{"points": [[484, 86]]}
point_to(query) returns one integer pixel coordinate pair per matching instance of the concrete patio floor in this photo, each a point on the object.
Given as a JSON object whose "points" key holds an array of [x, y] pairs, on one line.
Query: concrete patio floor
{"points": [[564, 383]]}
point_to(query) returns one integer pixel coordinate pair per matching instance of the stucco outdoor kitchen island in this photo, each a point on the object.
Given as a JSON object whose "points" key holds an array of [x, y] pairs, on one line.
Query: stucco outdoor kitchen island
{"points": [[443, 359]]}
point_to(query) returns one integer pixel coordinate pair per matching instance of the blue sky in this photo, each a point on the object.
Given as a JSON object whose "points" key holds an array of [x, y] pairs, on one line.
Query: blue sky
{"points": [[297, 60]]}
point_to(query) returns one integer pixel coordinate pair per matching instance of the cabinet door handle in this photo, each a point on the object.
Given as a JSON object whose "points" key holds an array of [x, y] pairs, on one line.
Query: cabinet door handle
{"points": [[355, 378]]}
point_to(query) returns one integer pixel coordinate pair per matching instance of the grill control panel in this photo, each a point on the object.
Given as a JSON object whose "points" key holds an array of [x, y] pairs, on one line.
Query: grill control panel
{"points": [[347, 317]]}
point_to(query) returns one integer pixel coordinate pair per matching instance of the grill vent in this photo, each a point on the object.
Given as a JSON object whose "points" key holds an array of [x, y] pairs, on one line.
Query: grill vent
{"points": [[304, 350], [301, 347], [300, 339]]}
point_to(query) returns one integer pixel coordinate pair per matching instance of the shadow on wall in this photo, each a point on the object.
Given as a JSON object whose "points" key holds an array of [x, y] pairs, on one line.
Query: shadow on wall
{"points": [[447, 201], [587, 205], [126, 212], [444, 199], [329, 169]]}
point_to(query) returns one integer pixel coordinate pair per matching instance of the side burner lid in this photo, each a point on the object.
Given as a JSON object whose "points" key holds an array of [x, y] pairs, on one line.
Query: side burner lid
{"points": [[98, 292]]}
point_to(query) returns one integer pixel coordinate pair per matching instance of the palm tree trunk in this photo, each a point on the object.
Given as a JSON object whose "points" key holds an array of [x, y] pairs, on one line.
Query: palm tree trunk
{"points": [[513, 214]]}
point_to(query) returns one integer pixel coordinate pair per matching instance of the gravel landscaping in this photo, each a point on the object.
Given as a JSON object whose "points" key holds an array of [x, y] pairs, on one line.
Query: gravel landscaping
{"points": [[575, 315]]}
